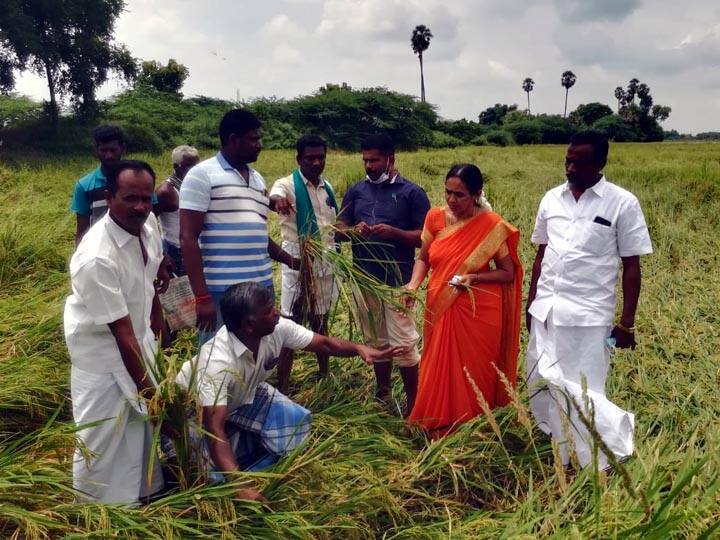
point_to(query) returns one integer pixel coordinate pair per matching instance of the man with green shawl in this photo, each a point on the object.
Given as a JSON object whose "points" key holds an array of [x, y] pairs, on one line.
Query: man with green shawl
{"points": [[306, 206]]}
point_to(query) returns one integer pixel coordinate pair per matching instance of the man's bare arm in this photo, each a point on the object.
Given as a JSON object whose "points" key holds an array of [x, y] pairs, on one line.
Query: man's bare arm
{"points": [[535, 276], [81, 227], [130, 352], [191, 225]]}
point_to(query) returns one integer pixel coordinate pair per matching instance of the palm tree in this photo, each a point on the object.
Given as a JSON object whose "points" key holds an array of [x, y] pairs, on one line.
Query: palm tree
{"points": [[420, 42], [620, 96], [528, 85], [632, 90], [567, 80]]}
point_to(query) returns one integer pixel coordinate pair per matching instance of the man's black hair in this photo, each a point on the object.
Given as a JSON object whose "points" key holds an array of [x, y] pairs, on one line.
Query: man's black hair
{"points": [[309, 141], [597, 139], [379, 141], [107, 133], [115, 169], [239, 122], [241, 302]]}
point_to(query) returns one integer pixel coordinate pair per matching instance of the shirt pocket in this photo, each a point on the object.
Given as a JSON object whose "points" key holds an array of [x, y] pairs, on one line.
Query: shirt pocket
{"points": [[597, 239]]}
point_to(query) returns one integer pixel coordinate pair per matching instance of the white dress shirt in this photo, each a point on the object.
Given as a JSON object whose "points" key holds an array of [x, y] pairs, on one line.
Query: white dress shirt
{"points": [[225, 372], [585, 240], [109, 281]]}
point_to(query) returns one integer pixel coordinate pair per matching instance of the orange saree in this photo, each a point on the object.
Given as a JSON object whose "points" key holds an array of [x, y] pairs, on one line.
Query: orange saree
{"points": [[467, 333]]}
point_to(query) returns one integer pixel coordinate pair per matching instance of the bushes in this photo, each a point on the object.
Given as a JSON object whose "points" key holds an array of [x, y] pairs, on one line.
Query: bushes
{"points": [[444, 140]]}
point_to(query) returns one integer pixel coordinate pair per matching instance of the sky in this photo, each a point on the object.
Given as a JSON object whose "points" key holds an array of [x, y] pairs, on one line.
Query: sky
{"points": [[480, 53]]}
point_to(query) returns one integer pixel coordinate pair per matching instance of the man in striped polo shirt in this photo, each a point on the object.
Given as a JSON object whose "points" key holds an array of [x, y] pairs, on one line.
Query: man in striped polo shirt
{"points": [[223, 220]]}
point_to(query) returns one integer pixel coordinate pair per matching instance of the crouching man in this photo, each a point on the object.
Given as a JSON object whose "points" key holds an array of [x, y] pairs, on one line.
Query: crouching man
{"points": [[250, 424], [109, 337]]}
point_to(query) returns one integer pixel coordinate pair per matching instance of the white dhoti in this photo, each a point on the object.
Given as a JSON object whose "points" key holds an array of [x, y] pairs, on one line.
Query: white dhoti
{"points": [[325, 289], [560, 357], [120, 444]]}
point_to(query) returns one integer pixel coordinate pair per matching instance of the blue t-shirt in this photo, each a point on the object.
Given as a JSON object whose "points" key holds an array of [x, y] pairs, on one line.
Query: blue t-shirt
{"points": [[401, 204], [89, 196]]}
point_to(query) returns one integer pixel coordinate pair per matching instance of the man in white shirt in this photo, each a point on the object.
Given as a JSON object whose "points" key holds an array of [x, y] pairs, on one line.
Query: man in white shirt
{"points": [[252, 425], [584, 229], [107, 323], [307, 208]]}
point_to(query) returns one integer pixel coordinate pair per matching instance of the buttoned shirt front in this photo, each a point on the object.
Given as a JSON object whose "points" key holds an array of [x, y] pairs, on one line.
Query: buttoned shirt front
{"points": [[585, 240], [225, 372], [322, 206], [110, 280]]}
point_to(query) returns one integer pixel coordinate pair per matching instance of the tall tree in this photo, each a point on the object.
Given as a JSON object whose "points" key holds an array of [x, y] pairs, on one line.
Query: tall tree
{"points": [[632, 90], [620, 96], [69, 42], [567, 80], [528, 85], [420, 42], [169, 79]]}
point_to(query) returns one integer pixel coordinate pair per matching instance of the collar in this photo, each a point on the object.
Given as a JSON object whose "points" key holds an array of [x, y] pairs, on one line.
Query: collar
{"points": [[599, 188], [226, 165], [99, 172], [120, 235], [320, 184], [236, 346]]}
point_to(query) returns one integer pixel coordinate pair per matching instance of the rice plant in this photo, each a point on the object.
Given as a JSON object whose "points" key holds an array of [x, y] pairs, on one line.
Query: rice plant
{"points": [[363, 473]]}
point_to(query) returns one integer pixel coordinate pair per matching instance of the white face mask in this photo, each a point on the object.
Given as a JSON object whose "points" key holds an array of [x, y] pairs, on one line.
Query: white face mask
{"points": [[384, 176]]}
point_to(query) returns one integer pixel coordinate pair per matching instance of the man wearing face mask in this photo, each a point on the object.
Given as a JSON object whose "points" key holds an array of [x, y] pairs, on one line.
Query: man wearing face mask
{"points": [[384, 215]]}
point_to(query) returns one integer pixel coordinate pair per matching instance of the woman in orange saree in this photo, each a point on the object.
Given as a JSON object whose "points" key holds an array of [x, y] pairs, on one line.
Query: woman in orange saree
{"points": [[472, 311]]}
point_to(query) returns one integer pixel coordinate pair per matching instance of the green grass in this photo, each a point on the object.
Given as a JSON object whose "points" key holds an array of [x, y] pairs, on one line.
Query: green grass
{"points": [[363, 474]]}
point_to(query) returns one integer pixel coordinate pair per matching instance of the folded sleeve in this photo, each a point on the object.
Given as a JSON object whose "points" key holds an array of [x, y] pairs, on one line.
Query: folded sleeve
{"points": [[281, 188], [420, 205], [293, 335], [540, 234], [633, 237], [195, 191], [97, 285], [80, 204], [212, 388], [347, 209]]}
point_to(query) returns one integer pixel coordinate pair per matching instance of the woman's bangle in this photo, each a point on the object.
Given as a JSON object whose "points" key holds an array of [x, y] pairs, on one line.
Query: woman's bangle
{"points": [[203, 299]]}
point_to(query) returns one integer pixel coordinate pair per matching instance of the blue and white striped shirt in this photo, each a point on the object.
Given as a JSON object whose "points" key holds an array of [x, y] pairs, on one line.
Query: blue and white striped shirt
{"points": [[234, 239]]}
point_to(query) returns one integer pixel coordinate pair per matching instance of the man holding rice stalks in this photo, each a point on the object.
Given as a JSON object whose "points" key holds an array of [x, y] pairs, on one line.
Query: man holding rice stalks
{"points": [[250, 424], [383, 215], [306, 205], [107, 323], [584, 229]]}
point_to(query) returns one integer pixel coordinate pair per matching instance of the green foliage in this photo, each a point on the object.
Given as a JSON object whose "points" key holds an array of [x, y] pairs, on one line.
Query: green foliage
{"points": [[169, 78], [616, 128], [68, 42], [345, 116], [161, 120], [16, 108], [496, 137], [589, 113], [463, 129], [494, 115], [525, 131], [441, 139]]}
